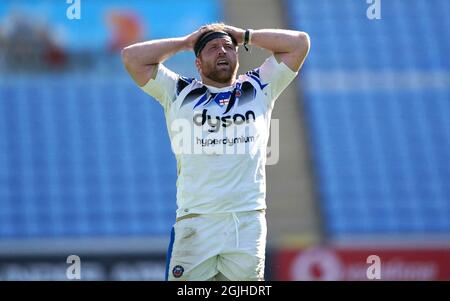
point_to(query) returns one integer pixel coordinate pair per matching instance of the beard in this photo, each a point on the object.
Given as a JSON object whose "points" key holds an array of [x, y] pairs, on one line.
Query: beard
{"points": [[221, 74]]}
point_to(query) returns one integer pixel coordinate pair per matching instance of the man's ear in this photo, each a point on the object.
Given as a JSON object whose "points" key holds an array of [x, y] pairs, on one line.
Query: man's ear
{"points": [[198, 64]]}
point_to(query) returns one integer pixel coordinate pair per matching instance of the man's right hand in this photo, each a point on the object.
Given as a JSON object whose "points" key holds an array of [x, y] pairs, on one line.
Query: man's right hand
{"points": [[192, 38]]}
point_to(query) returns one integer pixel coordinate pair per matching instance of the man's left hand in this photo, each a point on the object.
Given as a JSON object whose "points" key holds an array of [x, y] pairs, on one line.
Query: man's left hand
{"points": [[237, 33]]}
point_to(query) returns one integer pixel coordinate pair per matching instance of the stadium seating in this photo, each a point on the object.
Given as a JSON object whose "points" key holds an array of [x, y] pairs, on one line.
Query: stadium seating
{"points": [[377, 102], [83, 159], [86, 153]]}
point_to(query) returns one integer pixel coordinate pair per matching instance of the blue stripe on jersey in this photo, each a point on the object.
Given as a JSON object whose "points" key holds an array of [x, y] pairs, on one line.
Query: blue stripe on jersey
{"points": [[182, 83], [261, 86], [169, 253], [202, 100]]}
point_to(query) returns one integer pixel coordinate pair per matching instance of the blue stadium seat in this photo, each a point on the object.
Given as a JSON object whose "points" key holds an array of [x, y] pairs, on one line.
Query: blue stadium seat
{"points": [[89, 156], [377, 106], [84, 159]]}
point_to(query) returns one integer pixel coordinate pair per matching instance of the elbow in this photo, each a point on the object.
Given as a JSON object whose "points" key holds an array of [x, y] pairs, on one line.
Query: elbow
{"points": [[127, 56], [304, 42]]}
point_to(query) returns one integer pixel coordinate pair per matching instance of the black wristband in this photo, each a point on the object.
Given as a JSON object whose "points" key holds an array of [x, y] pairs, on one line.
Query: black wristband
{"points": [[246, 38]]}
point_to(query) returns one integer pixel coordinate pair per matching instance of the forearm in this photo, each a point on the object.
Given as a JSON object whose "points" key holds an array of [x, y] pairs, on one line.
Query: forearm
{"points": [[141, 59], [153, 52], [289, 46], [280, 40]]}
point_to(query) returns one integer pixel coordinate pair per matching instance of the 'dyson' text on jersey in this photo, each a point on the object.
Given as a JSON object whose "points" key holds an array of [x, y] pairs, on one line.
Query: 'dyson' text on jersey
{"points": [[215, 122]]}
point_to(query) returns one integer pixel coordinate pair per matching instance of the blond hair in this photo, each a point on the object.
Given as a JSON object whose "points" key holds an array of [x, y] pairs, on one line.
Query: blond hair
{"points": [[218, 26]]}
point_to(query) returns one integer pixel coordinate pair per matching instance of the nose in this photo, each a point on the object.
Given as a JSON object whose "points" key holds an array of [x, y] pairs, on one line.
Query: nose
{"points": [[222, 50]]}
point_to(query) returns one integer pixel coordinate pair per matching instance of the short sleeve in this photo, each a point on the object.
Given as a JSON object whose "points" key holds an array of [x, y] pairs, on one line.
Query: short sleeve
{"points": [[277, 75], [163, 87]]}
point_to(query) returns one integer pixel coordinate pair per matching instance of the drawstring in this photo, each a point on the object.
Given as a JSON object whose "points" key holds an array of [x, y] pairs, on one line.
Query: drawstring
{"points": [[236, 226]]}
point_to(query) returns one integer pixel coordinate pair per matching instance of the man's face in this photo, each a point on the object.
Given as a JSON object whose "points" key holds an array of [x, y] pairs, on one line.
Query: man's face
{"points": [[218, 60]]}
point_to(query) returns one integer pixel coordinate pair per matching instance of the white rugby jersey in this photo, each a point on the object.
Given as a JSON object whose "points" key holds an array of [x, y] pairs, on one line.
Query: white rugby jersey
{"points": [[219, 136]]}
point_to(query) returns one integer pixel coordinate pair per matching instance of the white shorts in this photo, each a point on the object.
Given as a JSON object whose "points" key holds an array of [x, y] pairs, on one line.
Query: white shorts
{"points": [[228, 246]]}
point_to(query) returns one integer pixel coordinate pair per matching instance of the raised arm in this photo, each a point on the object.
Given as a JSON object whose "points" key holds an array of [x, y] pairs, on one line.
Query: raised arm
{"points": [[141, 60], [288, 46]]}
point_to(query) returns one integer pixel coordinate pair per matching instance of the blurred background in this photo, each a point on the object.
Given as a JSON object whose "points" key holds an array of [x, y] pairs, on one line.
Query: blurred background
{"points": [[86, 166]]}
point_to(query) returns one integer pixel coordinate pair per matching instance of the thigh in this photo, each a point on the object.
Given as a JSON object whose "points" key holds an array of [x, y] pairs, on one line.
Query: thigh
{"points": [[220, 277], [200, 271], [194, 251], [241, 266], [246, 260]]}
